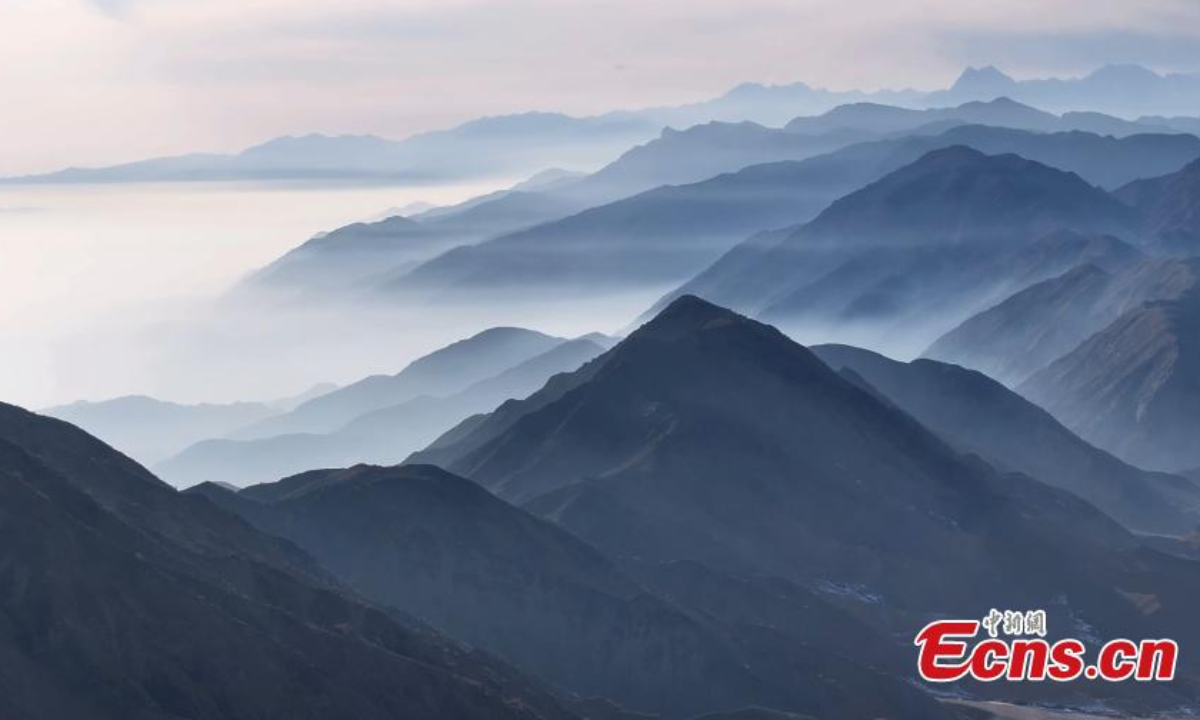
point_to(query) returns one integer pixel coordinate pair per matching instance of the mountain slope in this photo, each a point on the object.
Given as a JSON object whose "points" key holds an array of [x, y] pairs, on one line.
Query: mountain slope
{"points": [[663, 235], [443, 548], [106, 617], [914, 253], [1032, 328], [340, 260], [381, 436], [977, 414], [443, 372], [1169, 204], [1133, 388], [700, 152], [708, 437]]}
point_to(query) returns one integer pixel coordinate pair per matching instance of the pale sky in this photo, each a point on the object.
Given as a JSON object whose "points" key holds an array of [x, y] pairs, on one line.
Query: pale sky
{"points": [[97, 81]]}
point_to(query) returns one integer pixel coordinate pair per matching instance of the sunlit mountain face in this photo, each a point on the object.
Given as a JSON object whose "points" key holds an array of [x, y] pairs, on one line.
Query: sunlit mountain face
{"points": [[544, 361]]}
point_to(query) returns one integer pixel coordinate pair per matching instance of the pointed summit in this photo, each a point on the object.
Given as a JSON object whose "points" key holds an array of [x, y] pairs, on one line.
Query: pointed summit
{"points": [[983, 83], [688, 314]]}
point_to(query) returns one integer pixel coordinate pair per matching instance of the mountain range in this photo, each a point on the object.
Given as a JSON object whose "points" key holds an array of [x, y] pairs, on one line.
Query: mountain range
{"points": [[997, 111], [977, 414], [1134, 386], [500, 146], [1168, 203], [526, 143], [374, 433], [709, 439], [670, 233], [914, 252], [384, 418], [123, 598], [1034, 327], [1122, 90], [446, 550], [151, 430]]}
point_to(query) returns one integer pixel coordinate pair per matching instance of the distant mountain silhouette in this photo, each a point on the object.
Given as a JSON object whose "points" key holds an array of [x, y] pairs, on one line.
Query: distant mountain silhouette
{"points": [[384, 435], [977, 414], [710, 438], [679, 157], [1032, 328], [1133, 388], [703, 151], [342, 260], [442, 548], [126, 599], [998, 112], [525, 143], [445, 371], [1122, 90], [488, 147], [151, 430], [1169, 203]]}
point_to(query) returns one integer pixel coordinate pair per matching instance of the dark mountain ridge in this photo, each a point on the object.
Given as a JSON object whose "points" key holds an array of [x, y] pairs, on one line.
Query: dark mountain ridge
{"points": [[125, 599], [708, 437], [781, 467], [443, 548], [979, 415]]}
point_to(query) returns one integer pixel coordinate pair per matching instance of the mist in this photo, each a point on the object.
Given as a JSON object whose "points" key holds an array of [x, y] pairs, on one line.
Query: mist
{"points": [[114, 289]]}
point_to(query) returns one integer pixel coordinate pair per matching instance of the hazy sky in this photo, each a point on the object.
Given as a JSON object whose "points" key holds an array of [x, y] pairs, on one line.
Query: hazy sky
{"points": [[95, 81]]}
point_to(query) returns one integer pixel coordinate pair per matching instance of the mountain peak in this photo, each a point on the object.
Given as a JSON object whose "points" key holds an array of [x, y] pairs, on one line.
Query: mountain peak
{"points": [[982, 80], [685, 315], [1127, 72], [958, 194]]}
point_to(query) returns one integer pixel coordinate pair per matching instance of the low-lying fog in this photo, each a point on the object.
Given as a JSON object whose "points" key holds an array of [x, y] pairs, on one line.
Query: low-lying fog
{"points": [[107, 290]]}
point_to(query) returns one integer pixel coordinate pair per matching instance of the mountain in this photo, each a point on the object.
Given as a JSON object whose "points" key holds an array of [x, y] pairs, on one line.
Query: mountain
{"points": [[383, 436], [151, 430], [770, 105], [679, 157], [913, 253], [1169, 204], [500, 146], [710, 438], [446, 550], [343, 259], [703, 151], [1027, 331], [445, 371], [123, 599], [979, 415], [666, 234], [998, 112], [1121, 90], [609, 248], [519, 144], [1133, 388]]}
